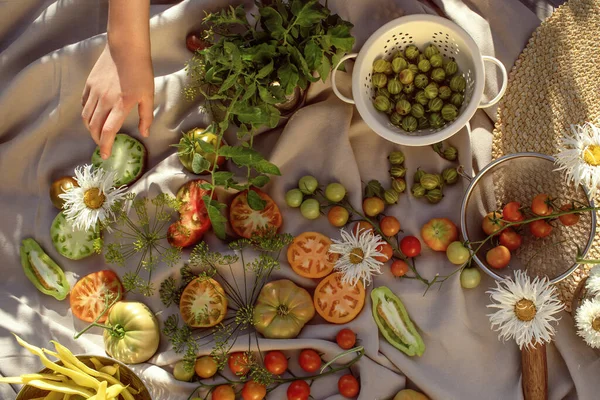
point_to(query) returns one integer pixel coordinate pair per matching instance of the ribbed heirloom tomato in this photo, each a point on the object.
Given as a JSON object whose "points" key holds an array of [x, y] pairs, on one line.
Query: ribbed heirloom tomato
{"points": [[339, 302], [246, 221], [309, 255]]}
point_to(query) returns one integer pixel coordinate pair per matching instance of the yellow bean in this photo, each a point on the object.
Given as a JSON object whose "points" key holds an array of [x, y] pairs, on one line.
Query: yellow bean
{"points": [[60, 387], [97, 364], [101, 395], [54, 396], [49, 377], [78, 377], [111, 392]]}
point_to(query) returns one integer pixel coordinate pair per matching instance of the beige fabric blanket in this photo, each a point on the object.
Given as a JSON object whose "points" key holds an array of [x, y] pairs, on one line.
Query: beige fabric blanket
{"points": [[47, 50]]}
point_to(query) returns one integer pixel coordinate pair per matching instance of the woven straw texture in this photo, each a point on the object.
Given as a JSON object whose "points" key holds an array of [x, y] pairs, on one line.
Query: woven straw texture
{"points": [[554, 83]]}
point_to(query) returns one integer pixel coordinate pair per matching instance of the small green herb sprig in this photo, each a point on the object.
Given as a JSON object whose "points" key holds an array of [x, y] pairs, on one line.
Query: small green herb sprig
{"points": [[142, 234], [266, 247], [247, 70]]}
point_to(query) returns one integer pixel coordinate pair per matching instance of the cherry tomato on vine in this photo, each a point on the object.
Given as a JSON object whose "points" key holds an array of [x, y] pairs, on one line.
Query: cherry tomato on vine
{"points": [[238, 363], [399, 268], [373, 206], [194, 42], [568, 219], [348, 386], [512, 212], [335, 192], [338, 216], [253, 391], [223, 392], [410, 246], [363, 227], [308, 184], [541, 205], [206, 367], [510, 239], [540, 228], [298, 390], [310, 209], [309, 360], [498, 257], [387, 251], [470, 278], [457, 253], [492, 223], [389, 225], [276, 362], [346, 338]]}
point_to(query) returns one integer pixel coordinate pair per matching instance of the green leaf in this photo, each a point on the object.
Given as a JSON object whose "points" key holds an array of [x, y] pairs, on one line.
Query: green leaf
{"points": [[217, 219], [324, 68], [260, 54], [374, 188], [299, 60], [272, 21], [220, 178], [255, 202], [313, 55], [228, 83], [277, 92], [211, 75], [260, 181], [335, 59], [234, 53], [206, 186], [288, 77], [265, 71], [250, 91], [267, 96], [200, 164], [266, 167], [241, 156], [308, 13], [340, 36]]}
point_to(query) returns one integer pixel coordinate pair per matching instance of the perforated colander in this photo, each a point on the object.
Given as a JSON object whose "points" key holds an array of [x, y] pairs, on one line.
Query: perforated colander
{"points": [[420, 30]]}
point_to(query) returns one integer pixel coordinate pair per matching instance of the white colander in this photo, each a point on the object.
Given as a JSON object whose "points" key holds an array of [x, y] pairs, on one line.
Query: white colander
{"points": [[420, 30]]}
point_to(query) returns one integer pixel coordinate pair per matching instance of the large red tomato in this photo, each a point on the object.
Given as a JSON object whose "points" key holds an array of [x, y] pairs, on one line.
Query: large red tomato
{"points": [[246, 221]]}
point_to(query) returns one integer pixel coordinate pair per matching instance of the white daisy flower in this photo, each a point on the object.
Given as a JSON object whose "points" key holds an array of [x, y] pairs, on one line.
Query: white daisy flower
{"points": [[592, 284], [357, 256], [579, 156], [92, 201], [587, 320], [525, 309]]}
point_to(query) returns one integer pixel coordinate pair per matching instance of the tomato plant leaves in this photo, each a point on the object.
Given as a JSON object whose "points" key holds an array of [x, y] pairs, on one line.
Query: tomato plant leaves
{"points": [[288, 77], [199, 164], [313, 55], [260, 181], [374, 189], [255, 202], [273, 22], [265, 71], [217, 219]]}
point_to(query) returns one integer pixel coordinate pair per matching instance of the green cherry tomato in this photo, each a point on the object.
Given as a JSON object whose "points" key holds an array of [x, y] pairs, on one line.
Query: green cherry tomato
{"points": [[310, 209], [308, 184], [457, 253], [294, 198], [335, 192], [180, 373], [470, 278]]}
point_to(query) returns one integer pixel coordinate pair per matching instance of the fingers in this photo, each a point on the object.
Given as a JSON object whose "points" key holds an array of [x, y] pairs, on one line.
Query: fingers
{"points": [[88, 111], [98, 118], [109, 130], [85, 95], [145, 110]]}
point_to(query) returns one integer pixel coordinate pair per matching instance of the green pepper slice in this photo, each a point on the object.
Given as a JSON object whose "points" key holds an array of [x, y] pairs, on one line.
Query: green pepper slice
{"points": [[394, 323], [42, 271]]}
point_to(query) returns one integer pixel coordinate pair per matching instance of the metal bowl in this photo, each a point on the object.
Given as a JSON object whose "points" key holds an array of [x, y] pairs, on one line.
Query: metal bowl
{"points": [[519, 177], [128, 378]]}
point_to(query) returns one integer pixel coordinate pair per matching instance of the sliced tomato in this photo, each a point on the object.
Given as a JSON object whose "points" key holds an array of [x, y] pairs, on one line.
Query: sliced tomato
{"points": [[88, 296], [203, 303], [245, 221], [339, 302], [193, 216], [309, 255]]}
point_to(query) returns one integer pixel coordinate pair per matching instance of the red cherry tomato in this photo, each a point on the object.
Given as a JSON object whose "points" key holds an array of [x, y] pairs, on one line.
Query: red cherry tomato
{"points": [[387, 251], [253, 391], [410, 246], [399, 268], [512, 212], [309, 360], [540, 228], [276, 362], [510, 239], [346, 338], [194, 42], [498, 257], [389, 225], [298, 390], [492, 223], [541, 205], [238, 363], [223, 392], [568, 219], [348, 386]]}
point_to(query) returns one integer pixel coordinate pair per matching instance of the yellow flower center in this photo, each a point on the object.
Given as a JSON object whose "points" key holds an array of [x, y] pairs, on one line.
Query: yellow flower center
{"points": [[525, 310], [356, 256], [93, 198], [596, 324], [591, 155]]}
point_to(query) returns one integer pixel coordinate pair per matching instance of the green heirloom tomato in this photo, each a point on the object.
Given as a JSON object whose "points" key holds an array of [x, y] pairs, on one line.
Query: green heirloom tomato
{"points": [[197, 141], [394, 323], [133, 335], [42, 271], [282, 309]]}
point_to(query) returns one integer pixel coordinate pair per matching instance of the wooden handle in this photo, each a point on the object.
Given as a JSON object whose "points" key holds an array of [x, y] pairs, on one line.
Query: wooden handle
{"points": [[535, 373]]}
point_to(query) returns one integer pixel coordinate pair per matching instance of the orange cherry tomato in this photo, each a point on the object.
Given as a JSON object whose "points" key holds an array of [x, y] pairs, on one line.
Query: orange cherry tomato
{"points": [[362, 227], [399, 268], [387, 251], [568, 219], [389, 225], [498, 257], [541, 205]]}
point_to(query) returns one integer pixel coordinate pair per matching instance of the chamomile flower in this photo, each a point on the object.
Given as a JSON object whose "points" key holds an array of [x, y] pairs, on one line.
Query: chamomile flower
{"points": [[93, 200], [357, 252], [587, 320], [579, 156], [592, 284], [525, 309]]}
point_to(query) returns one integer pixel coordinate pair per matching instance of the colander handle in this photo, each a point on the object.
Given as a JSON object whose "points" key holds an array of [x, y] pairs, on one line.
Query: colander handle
{"points": [[333, 84], [504, 81]]}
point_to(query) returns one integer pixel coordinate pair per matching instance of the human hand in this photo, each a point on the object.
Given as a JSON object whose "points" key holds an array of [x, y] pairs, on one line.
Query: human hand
{"points": [[119, 81]]}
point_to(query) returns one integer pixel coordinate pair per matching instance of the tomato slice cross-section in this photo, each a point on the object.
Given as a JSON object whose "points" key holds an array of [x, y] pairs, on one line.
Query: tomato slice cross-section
{"points": [[203, 303], [246, 221], [309, 255], [339, 302], [88, 296]]}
